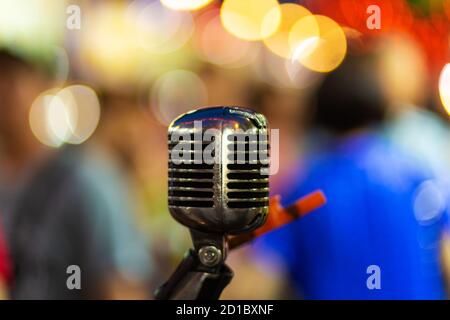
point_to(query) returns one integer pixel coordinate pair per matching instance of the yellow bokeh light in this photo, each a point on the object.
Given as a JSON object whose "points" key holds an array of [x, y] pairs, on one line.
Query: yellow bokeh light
{"points": [[444, 87], [185, 4], [83, 106], [69, 115], [318, 43], [120, 42], [61, 118], [251, 19], [278, 43], [107, 41], [39, 119]]}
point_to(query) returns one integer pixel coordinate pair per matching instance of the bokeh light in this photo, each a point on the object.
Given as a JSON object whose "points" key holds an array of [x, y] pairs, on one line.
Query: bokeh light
{"points": [[120, 42], [185, 4], [85, 105], [219, 47], [21, 23], [107, 42], [38, 119], [251, 19], [318, 43], [176, 92], [69, 115], [429, 202], [283, 73], [60, 118], [278, 43], [160, 30], [444, 87]]}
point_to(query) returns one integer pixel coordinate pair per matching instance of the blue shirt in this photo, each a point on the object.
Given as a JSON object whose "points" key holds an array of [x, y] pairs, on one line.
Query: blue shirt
{"points": [[384, 209]]}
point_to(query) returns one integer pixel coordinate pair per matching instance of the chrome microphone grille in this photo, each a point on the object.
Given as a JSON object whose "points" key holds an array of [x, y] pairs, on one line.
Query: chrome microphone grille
{"points": [[247, 184], [190, 184], [230, 193]]}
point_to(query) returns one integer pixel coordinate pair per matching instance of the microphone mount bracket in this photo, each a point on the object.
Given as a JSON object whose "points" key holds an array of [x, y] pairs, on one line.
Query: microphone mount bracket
{"points": [[202, 274]]}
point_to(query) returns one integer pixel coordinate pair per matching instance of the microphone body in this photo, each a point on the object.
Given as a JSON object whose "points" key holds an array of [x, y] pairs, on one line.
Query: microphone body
{"points": [[218, 164], [219, 188]]}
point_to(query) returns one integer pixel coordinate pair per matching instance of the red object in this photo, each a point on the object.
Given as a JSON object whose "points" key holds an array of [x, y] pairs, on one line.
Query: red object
{"points": [[447, 8], [432, 35], [279, 216], [331, 9], [5, 265], [395, 14]]}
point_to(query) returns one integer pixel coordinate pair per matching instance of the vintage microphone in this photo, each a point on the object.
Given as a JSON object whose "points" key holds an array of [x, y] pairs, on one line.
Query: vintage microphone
{"points": [[219, 189]]}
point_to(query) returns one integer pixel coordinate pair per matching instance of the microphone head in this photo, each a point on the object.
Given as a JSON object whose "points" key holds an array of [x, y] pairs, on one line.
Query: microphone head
{"points": [[218, 170]]}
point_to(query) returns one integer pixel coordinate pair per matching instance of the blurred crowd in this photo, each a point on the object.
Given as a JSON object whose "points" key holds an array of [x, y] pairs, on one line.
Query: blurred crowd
{"points": [[363, 115]]}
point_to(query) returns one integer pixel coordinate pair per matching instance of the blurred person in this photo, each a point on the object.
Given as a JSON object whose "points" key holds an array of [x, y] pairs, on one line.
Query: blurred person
{"points": [[406, 83], [129, 131], [62, 207], [412, 124], [253, 280], [285, 110], [288, 117], [381, 212]]}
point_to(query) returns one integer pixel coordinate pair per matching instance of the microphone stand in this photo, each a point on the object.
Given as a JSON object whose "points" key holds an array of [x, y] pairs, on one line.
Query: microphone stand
{"points": [[202, 274]]}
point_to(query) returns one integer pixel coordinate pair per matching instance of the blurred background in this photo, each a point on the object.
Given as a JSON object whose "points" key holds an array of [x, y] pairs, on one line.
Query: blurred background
{"points": [[88, 88]]}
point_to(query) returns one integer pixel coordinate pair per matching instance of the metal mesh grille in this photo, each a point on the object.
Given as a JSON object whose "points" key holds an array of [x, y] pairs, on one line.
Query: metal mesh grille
{"points": [[247, 187], [190, 184]]}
